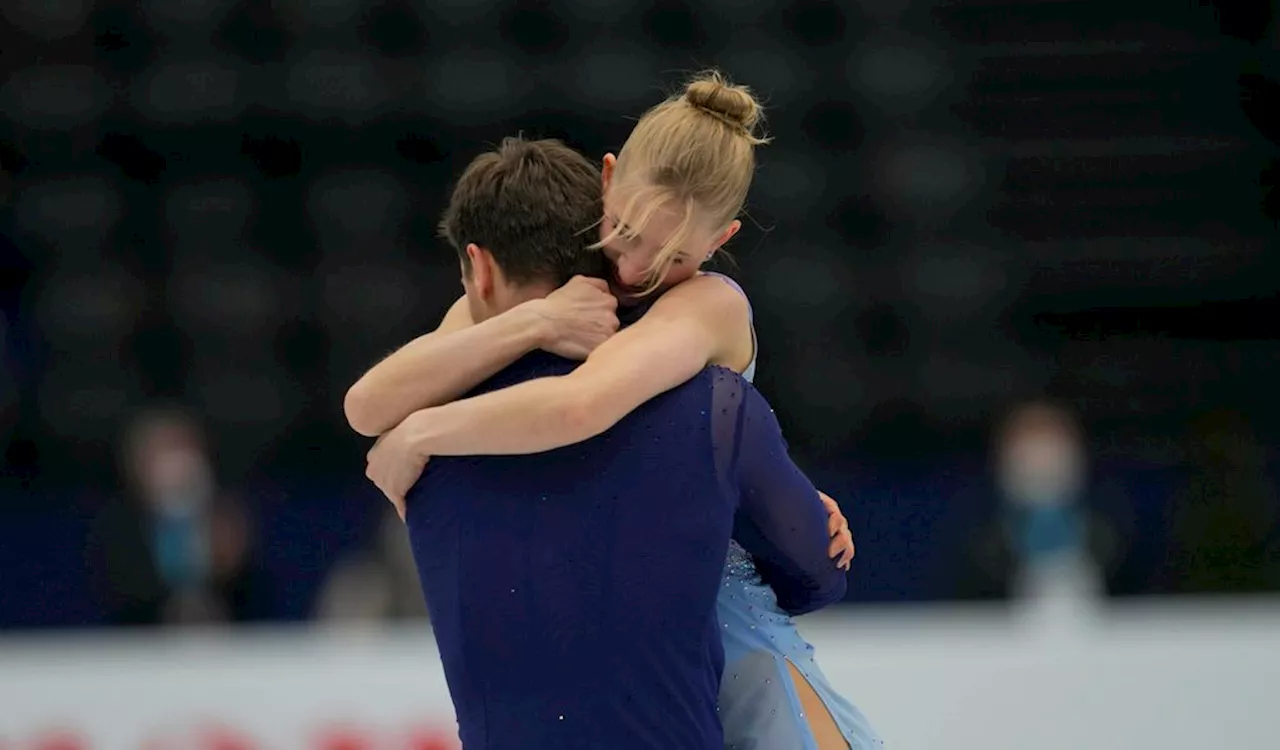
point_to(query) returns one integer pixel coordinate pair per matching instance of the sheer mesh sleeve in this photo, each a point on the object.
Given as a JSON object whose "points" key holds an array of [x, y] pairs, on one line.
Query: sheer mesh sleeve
{"points": [[780, 521]]}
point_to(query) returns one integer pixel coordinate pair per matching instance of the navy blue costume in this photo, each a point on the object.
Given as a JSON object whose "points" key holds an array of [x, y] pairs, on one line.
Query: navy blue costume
{"points": [[572, 592]]}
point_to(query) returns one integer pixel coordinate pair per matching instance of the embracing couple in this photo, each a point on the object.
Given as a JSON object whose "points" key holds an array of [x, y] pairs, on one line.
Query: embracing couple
{"points": [[611, 539]]}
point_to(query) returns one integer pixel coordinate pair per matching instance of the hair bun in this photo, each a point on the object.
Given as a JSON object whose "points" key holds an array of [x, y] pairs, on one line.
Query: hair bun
{"points": [[714, 94]]}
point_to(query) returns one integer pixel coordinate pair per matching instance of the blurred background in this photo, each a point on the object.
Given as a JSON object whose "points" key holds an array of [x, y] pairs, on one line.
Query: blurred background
{"points": [[1015, 272]]}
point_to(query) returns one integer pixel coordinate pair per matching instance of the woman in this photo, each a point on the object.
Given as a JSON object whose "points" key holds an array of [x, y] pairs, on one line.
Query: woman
{"points": [[671, 200]]}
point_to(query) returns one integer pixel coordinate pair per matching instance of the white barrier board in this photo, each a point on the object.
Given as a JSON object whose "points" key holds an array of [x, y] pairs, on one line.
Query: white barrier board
{"points": [[1161, 677]]}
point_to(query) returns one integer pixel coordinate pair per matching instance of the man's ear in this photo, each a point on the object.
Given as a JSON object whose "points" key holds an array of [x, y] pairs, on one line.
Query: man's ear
{"points": [[482, 270]]}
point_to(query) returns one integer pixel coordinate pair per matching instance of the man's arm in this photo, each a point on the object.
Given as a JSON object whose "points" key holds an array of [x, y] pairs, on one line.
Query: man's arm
{"points": [[781, 519], [691, 325]]}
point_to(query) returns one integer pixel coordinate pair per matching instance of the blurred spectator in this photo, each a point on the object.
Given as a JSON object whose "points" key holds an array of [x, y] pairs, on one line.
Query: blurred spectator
{"points": [[175, 549], [1223, 531], [376, 584], [1045, 534]]}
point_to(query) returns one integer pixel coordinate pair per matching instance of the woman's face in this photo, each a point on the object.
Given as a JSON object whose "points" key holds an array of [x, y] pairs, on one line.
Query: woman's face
{"points": [[632, 254]]}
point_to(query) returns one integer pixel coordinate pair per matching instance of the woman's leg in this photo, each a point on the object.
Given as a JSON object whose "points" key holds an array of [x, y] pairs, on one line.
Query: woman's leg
{"points": [[821, 724]]}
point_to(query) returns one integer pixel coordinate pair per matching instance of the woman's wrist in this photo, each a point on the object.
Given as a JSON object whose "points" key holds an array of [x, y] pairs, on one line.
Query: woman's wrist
{"points": [[537, 328]]}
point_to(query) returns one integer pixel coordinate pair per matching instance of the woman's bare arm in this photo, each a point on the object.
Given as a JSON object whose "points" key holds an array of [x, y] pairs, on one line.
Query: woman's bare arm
{"points": [[459, 355], [440, 366], [699, 322]]}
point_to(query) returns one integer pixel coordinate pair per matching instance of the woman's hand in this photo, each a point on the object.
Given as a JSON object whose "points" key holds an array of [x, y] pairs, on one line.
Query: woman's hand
{"points": [[580, 316], [841, 549], [395, 464]]}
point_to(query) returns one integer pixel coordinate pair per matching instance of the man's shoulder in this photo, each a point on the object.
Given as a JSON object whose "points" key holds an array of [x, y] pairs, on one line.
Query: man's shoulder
{"points": [[715, 376], [537, 364], [710, 385]]}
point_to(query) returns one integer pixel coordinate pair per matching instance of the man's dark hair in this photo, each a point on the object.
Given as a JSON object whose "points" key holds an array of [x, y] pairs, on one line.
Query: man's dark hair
{"points": [[535, 205]]}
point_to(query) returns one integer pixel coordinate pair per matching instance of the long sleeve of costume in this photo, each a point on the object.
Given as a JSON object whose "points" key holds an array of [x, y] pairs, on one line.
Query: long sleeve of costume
{"points": [[781, 521]]}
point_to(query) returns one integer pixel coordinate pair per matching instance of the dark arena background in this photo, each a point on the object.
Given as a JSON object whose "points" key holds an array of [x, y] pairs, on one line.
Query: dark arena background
{"points": [[984, 228]]}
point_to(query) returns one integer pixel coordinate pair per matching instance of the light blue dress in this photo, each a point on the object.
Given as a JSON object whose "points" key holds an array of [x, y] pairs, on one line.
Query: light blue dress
{"points": [[759, 707]]}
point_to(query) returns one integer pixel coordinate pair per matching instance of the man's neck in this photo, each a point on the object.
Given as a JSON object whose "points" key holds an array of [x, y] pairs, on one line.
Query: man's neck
{"points": [[530, 291]]}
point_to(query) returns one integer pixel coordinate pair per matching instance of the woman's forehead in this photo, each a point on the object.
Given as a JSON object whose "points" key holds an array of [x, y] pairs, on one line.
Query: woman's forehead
{"points": [[642, 214]]}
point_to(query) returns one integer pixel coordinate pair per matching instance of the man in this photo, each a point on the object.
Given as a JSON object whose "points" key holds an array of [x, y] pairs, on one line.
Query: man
{"points": [[572, 592]]}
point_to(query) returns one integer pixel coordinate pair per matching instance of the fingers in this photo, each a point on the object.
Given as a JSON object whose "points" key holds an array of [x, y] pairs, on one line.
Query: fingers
{"points": [[600, 284], [375, 476], [603, 328], [841, 548], [397, 500], [850, 551], [831, 505], [602, 294], [842, 551]]}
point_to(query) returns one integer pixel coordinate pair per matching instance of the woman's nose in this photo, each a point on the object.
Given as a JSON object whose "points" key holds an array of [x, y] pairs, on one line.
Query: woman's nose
{"points": [[631, 272]]}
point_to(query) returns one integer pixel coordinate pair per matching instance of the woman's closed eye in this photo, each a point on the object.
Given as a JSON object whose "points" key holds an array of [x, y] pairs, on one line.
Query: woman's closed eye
{"points": [[624, 232]]}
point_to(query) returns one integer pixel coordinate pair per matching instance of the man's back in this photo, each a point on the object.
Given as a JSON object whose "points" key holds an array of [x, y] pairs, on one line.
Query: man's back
{"points": [[572, 592]]}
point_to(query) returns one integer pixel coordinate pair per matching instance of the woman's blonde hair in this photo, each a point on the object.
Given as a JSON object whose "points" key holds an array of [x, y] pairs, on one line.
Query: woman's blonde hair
{"points": [[694, 152]]}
